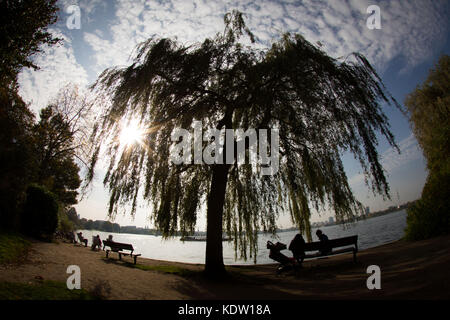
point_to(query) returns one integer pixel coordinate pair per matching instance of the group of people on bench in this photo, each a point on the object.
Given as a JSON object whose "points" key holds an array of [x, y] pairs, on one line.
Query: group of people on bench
{"points": [[297, 247], [96, 241]]}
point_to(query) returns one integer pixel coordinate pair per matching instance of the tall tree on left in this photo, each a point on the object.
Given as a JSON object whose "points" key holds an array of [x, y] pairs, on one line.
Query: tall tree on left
{"points": [[54, 155], [23, 33]]}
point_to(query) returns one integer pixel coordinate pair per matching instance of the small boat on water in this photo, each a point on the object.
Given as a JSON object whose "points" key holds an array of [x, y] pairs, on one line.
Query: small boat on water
{"points": [[201, 238]]}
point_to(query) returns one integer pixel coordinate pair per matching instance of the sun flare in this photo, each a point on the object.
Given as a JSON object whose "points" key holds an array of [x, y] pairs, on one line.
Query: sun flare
{"points": [[132, 133]]}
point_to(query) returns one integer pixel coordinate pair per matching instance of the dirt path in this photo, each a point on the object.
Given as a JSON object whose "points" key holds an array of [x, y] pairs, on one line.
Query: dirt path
{"points": [[409, 270]]}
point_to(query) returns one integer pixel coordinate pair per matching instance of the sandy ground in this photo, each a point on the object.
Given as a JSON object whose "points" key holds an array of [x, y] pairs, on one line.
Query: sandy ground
{"points": [[409, 270]]}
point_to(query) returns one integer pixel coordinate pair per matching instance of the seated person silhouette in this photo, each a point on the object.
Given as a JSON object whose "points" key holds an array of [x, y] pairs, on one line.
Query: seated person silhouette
{"points": [[324, 243], [275, 254], [96, 243], [110, 238], [297, 246], [82, 239]]}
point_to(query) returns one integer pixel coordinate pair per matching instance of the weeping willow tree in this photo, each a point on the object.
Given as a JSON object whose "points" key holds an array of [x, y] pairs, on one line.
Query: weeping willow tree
{"points": [[321, 107]]}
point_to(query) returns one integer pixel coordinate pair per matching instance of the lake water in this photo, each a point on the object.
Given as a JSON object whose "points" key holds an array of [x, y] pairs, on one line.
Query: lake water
{"points": [[371, 233]]}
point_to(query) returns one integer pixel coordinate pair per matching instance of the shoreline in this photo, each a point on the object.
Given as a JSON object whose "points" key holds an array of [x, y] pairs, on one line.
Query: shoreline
{"points": [[188, 252], [409, 270]]}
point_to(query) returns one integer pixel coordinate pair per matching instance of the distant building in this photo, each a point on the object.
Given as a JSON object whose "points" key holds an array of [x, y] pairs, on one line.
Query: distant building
{"points": [[367, 211], [331, 220]]}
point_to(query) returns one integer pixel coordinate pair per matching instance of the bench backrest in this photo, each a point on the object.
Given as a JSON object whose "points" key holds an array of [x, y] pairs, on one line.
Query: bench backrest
{"points": [[116, 246], [333, 243]]}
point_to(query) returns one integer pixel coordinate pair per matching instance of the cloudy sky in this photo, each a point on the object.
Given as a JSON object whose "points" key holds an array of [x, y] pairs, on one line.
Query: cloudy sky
{"points": [[412, 36]]}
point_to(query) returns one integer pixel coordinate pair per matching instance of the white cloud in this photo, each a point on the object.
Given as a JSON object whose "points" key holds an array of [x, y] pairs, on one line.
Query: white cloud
{"points": [[135, 21], [87, 8], [58, 67], [412, 29], [409, 151]]}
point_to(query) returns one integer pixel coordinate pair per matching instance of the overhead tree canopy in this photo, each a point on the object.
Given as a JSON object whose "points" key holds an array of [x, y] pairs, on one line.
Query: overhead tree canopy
{"points": [[24, 30], [321, 107]]}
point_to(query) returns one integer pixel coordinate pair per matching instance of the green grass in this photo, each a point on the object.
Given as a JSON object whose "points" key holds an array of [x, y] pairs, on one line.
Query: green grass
{"points": [[163, 269], [46, 290], [13, 248]]}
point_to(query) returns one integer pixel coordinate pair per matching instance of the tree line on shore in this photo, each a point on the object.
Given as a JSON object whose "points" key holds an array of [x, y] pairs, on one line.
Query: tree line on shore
{"points": [[73, 222]]}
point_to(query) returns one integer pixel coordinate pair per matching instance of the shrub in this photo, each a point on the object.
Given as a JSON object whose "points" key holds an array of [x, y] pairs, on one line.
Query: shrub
{"points": [[430, 216], [65, 225], [428, 107], [40, 213]]}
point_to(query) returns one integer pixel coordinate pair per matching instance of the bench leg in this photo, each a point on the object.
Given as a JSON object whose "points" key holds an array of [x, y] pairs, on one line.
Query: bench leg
{"points": [[120, 256], [354, 256], [135, 257]]}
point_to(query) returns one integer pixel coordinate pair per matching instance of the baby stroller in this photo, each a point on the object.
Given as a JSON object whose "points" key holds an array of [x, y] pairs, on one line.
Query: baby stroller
{"points": [[286, 263]]}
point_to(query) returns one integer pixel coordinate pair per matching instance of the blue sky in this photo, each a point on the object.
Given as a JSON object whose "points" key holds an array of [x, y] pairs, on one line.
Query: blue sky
{"points": [[412, 36]]}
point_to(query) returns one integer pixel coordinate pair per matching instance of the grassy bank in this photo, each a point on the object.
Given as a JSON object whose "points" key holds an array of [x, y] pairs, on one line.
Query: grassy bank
{"points": [[169, 269], [13, 247], [44, 290]]}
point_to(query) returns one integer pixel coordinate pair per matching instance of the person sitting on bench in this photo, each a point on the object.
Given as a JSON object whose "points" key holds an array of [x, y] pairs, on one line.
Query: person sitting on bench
{"points": [[110, 238], [82, 240], [324, 243], [96, 243], [297, 246]]}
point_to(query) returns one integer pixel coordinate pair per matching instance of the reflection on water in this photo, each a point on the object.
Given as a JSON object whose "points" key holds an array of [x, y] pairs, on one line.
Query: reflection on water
{"points": [[371, 233]]}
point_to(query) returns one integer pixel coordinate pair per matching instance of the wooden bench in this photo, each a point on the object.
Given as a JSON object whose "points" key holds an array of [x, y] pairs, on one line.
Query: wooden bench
{"points": [[350, 244], [118, 247]]}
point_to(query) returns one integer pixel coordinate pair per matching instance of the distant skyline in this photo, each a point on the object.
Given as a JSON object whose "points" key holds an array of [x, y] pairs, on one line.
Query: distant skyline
{"points": [[413, 35]]}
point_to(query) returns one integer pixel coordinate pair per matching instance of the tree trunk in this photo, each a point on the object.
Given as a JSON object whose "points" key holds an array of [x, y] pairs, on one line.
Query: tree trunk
{"points": [[214, 265]]}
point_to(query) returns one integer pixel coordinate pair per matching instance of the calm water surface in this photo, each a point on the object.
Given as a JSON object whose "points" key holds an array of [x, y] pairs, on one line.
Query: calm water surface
{"points": [[371, 233]]}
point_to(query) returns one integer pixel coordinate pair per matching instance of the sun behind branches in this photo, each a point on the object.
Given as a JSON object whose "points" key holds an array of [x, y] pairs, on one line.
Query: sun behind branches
{"points": [[131, 133]]}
